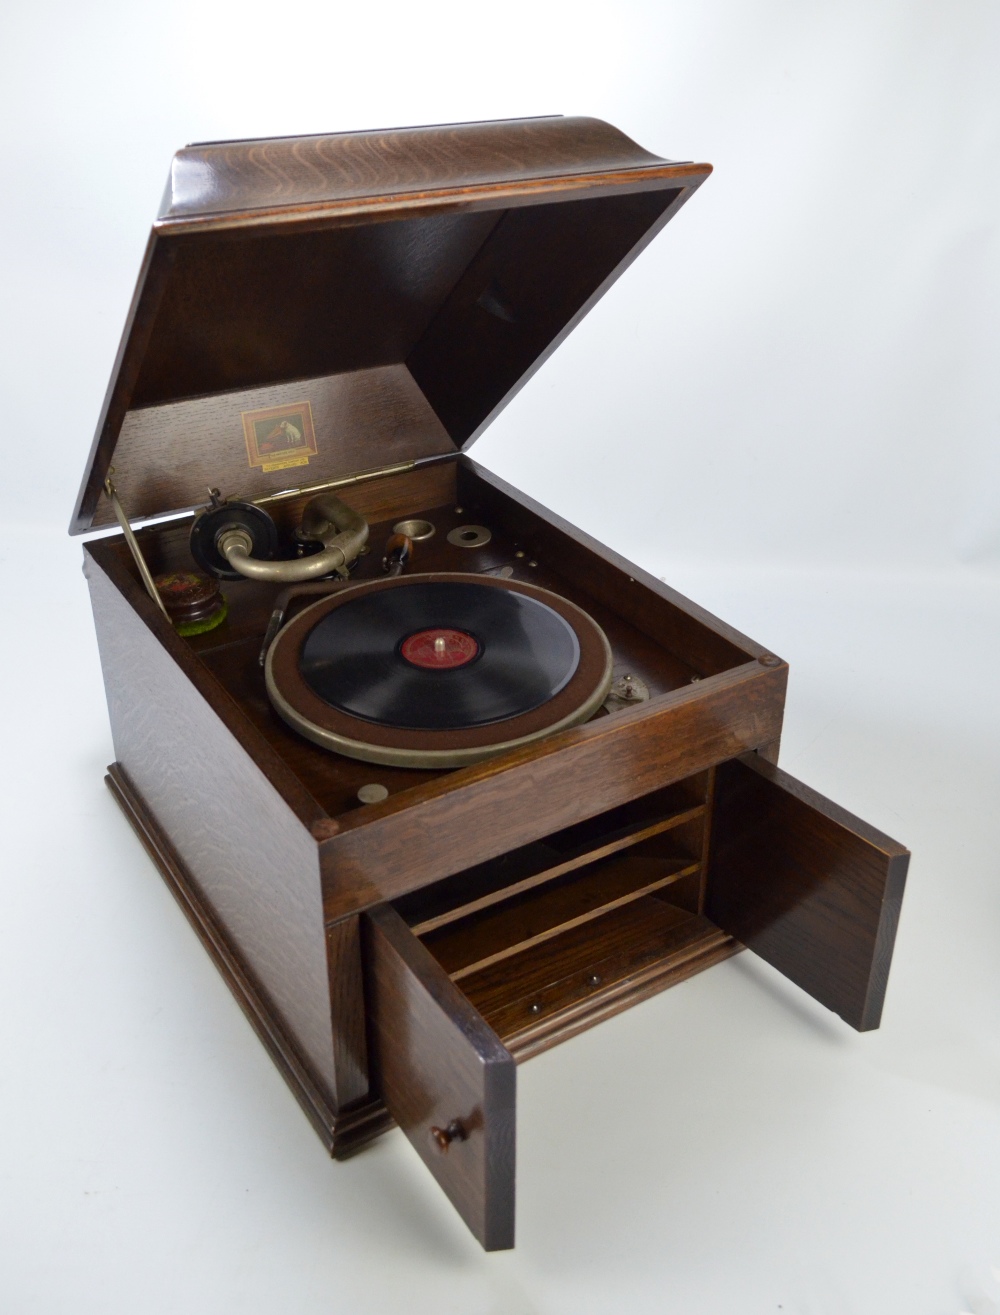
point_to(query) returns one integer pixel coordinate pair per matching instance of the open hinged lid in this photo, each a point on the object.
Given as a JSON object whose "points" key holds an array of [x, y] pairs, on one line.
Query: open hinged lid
{"points": [[312, 308]]}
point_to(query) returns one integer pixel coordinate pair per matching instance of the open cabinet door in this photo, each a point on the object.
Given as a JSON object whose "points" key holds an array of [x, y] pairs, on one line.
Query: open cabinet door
{"points": [[807, 886], [444, 1075]]}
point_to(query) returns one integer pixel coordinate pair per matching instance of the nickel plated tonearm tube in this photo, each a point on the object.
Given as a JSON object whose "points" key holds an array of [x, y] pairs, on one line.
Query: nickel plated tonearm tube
{"points": [[236, 539]]}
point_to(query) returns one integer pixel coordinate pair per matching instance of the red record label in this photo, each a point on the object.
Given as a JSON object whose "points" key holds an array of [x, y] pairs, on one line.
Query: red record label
{"points": [[439, 649]]}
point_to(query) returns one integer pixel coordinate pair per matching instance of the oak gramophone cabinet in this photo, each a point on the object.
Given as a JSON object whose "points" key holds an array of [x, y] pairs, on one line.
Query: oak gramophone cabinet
{"points": [[346, 314]]}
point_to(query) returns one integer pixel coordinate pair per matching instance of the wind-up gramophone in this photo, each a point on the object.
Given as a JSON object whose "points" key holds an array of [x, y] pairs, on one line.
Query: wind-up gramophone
{"points": [[491, 783]]}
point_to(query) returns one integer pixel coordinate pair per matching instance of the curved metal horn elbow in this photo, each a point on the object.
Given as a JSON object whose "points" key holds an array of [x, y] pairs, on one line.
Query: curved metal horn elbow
{"points": [[342, 531]]}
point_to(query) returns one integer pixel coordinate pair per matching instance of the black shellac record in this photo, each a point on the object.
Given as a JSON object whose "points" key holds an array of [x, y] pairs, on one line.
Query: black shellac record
{"points": [[439, 656]]}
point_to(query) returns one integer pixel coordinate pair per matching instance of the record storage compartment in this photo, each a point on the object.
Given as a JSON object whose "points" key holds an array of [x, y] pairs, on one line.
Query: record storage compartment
{"points": [[549, 938]]}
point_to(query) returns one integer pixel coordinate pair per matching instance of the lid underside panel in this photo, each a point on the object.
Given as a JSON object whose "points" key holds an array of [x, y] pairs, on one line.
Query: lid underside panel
{"points": [[242, 310], [401, 327], [540, 266]]}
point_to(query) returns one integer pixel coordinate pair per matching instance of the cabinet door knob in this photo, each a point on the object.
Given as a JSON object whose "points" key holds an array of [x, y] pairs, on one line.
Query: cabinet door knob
{"points": [[445, 1136]]}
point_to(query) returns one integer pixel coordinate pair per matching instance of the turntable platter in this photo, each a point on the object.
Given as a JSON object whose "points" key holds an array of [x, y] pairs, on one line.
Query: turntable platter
{"points": [[437, 670]]}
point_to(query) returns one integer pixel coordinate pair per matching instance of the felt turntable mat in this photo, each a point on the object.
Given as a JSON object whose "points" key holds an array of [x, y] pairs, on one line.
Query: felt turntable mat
{"points": [[463, 662]]}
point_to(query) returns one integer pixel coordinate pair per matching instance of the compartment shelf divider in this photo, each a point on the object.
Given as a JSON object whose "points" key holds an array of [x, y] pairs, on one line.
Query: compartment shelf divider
{"points": [[521, 922], [483, 890]]}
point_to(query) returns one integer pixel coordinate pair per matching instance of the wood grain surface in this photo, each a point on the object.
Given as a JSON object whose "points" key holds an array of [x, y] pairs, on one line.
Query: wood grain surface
{"points": [[168, 457], [347, 1009], [525, 869], [225, 177], [553, 990], [342, 1131], [479, 812], [807, 886], [538, 915], [252, 862], [437, 1065], [533, 279], [675, 623], [584, 1007], [268, 308]]}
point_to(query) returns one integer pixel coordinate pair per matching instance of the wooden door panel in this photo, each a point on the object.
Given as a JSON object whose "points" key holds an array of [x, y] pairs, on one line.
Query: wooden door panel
{"points": [[806, 885], [444, 1076]]}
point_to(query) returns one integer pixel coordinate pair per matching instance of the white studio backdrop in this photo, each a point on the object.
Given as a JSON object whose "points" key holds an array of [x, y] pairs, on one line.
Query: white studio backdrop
{"points": [[789, 408]]}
